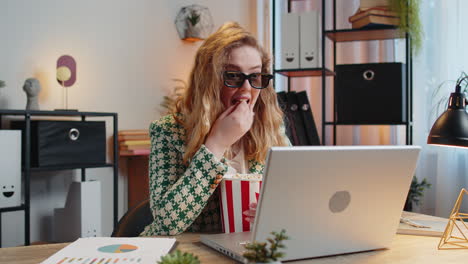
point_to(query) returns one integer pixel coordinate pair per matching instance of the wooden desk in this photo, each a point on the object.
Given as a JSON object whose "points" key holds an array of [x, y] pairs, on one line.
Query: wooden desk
{"points": [[405, 249]]}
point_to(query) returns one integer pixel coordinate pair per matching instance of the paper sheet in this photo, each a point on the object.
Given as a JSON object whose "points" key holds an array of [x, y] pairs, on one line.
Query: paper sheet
{"points": [[112, 250]]}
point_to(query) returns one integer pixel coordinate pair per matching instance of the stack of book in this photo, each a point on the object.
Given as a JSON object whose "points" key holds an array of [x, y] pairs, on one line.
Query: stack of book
{"points": [[134, 142], [374, 17]]}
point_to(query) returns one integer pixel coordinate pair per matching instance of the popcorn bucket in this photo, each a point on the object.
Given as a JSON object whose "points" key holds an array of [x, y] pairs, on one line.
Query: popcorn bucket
{"points": [[237, 192]]}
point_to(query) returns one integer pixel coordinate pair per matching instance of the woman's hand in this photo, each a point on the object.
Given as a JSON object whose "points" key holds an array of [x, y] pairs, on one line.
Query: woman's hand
{"points": [[250, 214], [230, 126]]}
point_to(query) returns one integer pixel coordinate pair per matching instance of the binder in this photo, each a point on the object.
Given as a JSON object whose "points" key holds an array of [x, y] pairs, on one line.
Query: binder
{"points": [[309, 123], [289, 126], [297, 119]]}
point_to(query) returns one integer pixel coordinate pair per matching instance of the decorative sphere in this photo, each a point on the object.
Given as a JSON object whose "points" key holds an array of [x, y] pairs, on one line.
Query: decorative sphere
{"points": [[63, 73]]}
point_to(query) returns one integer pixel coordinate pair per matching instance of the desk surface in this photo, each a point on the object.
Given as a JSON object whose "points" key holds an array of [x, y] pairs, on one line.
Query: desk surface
{"points": [[405, 249]]}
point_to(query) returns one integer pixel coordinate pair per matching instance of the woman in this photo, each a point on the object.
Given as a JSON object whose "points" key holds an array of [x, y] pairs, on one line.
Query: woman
{"points": [[225, 123]]}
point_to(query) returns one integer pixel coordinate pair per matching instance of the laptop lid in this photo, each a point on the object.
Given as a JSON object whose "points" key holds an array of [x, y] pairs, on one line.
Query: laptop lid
{"points": [[329, 199]]}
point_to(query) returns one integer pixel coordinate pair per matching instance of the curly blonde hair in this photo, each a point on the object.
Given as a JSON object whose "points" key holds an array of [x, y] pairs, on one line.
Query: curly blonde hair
{"points": [[201, 104]]}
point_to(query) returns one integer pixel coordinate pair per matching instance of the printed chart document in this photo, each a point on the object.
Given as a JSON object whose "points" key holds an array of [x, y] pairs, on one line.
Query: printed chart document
{"points": [[110, 250]]}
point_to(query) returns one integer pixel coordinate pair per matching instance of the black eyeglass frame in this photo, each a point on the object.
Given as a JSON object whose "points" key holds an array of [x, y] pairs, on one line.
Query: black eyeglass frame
{"points": [[248, 77]]}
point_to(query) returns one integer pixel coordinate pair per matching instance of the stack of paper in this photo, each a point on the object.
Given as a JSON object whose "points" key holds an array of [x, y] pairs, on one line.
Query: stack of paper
{"points": [[106, 250]]}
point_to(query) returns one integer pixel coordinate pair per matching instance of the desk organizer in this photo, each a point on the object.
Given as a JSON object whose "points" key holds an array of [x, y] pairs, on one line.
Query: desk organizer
{"points": [[456, 233]]}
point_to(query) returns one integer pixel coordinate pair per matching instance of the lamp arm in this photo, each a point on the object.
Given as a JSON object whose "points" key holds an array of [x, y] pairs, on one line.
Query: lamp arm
{"points": [[458, 86]]}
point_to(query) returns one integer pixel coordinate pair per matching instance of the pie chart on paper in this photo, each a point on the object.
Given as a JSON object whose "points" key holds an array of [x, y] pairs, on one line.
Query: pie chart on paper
{"points": [[118, 248]]}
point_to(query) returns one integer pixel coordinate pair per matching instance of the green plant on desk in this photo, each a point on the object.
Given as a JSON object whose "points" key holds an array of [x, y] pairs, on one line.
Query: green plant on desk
{"points": [[416, 192], [258, 252], [178, 257], [2, 84]]}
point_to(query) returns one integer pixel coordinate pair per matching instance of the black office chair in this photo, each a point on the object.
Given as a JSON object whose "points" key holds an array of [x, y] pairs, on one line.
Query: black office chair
{"points": [[134, 221]]}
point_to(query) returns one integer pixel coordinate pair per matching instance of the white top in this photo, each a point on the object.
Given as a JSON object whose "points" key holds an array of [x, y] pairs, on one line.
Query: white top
{"points": [[237, 164]]}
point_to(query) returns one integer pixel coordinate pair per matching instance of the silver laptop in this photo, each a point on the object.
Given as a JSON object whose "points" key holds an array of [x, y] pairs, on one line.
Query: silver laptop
{"points": [[330, 200]]}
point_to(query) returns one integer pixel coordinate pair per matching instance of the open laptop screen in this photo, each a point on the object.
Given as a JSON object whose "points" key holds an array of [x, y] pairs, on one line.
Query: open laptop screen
{"points": [[329, 199], [334, 199]]}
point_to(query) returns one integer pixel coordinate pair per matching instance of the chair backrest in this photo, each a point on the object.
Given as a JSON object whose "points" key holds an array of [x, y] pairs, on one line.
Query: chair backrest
{"points": [[134, 221]]}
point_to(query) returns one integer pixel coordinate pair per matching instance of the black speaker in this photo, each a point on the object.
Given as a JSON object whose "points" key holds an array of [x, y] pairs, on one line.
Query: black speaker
{"points": [[65, 143], [373, 93]]}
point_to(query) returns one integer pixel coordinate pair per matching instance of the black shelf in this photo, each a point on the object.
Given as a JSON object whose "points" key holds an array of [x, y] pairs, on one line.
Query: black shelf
{"points": [[306, 72], [338, 36], [27, 169], [71, 167], [347, 35], [53, 113], [12, 209], [365, 124]]}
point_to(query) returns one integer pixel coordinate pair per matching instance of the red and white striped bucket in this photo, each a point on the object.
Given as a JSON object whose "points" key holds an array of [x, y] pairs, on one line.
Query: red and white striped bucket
{"points": [[236, 195]]}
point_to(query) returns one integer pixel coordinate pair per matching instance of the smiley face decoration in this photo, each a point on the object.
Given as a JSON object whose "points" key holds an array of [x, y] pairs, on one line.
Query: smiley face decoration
{"points": [[66, 75]]}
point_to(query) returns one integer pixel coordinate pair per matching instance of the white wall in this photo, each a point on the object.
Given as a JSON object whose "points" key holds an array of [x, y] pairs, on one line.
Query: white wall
{"points": [[127, 52]]}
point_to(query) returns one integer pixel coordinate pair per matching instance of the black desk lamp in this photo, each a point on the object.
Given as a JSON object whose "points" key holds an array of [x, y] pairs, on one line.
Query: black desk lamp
{"points": [[451, 128]]}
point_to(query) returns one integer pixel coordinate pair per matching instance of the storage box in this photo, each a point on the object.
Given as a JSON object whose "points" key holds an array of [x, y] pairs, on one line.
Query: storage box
{"points": [[289, 57], [237, 193], [10, 164], [310, 39], [65, 143], [82, 214], [373, 93]]}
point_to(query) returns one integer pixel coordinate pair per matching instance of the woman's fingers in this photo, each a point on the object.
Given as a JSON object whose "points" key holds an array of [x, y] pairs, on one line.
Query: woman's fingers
{"points": [[249, 213], [229, 127], [250, 219], [228, 111]]}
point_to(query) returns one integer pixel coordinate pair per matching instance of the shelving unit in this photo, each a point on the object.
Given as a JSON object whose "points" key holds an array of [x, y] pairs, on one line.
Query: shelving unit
{"points": [[27, 169], [347, 35]]}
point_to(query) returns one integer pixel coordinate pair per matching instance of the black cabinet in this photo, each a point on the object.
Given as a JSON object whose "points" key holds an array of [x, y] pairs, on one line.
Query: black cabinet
{"points": [[59, 145]]}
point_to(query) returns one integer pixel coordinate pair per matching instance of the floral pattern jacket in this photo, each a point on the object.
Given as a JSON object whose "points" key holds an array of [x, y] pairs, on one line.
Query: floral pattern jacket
{"points": [[181, 198]]}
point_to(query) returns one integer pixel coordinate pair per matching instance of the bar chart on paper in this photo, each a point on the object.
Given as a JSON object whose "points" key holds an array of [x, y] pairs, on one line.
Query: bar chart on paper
{"points": [[67, 260], [106, 250]]}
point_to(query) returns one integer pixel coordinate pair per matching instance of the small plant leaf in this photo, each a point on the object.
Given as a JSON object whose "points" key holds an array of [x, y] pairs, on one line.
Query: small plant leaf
{"points": [[178, 257], [258, 251]]}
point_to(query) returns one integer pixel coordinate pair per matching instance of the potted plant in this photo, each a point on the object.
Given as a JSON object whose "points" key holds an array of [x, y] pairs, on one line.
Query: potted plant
{"points": [[193, 19], [408, 12], [415, 193], [440, 95], [169, 101], [258, 252], [178, 257], [2, 84]]}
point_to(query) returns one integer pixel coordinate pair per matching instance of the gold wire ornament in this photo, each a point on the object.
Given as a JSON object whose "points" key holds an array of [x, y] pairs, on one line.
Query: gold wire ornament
{"points": [[456, 239]]}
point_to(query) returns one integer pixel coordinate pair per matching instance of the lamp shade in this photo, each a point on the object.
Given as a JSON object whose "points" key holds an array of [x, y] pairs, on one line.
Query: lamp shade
{"points": [[451, 128]]}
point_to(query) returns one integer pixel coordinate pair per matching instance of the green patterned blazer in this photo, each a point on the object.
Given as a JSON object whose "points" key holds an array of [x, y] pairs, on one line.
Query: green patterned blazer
{"points": [[180, 195]]}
